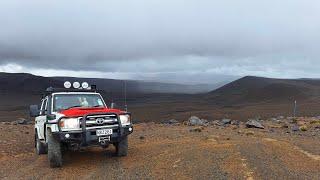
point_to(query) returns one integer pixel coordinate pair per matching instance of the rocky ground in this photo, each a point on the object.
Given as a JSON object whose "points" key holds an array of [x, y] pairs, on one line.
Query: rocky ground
{"points": [[278, 148]]}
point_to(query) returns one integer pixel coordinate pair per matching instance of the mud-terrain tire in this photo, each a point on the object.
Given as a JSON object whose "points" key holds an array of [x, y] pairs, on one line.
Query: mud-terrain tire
{"points": [[54, 151], [41, 148], [122, 147]]}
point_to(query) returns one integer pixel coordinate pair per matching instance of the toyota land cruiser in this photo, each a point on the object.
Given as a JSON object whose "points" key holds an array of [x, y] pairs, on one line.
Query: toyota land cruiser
{"points": [[71, 118]]}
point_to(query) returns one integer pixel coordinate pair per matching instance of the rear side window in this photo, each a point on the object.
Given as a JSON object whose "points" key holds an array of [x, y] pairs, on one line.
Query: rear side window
{"points": [[44, 106]]}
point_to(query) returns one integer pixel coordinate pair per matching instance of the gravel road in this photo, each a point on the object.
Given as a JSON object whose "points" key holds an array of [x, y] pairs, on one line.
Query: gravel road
{"points": [[171, 152]]}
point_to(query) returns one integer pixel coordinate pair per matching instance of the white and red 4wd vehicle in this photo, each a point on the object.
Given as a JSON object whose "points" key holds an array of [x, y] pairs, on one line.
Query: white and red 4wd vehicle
{"points": [[72, 118]]}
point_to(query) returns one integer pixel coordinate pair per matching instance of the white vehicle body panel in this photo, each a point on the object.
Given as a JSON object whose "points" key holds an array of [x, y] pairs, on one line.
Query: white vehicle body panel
{"points": [[40, 121]]}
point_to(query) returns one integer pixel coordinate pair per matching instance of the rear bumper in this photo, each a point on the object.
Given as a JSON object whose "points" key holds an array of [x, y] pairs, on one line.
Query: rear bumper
{"points": [[89, 137]]}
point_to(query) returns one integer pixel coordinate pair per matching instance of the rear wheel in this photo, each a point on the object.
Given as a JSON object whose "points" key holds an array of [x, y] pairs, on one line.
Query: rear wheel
{"points": [[122, 147], [40, 147], [54, 151]]}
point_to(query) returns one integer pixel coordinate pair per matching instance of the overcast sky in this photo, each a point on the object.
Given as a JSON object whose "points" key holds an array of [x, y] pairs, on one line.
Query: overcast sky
{"points": [[185, 41]]}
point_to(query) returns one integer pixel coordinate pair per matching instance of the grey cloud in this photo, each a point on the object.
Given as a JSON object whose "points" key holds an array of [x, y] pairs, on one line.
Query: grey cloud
{"points": [[231, 37]]}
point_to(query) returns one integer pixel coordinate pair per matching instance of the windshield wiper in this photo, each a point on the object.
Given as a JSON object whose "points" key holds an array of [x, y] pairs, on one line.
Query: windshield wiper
{"points": [[98, 106], [73, 107]]}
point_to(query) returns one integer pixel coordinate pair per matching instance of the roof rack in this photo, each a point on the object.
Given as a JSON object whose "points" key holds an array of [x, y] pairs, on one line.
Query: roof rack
{"points": [[51, 90]]}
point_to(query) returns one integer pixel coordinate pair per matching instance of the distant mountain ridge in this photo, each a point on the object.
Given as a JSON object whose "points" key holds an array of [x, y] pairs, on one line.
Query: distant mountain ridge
{"points": [[259, 89], [247, 97], [23, 82]]}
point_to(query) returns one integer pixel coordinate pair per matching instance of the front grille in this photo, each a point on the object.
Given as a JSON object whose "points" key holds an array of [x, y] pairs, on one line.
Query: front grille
{"points": [[101, 121]]}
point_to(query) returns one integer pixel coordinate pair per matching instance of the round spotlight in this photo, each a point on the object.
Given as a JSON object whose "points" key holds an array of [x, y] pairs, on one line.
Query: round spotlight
{"points": [[85, 85], [67, 136], [67, 84], [76, 85]]}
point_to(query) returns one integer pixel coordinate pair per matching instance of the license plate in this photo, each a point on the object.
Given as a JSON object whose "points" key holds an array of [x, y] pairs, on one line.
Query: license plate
{"points": [[104, 132]]}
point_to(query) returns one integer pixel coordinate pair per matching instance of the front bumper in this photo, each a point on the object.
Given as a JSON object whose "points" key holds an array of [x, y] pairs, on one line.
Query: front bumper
{"points": [[89, 137]]}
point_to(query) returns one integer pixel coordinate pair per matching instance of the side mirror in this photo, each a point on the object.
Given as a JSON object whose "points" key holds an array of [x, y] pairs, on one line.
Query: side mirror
{"points": [[34, 111], [113, 105]]}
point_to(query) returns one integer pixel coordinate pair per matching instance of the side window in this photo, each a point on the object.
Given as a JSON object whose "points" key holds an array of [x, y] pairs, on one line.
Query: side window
{"points": [[44, 106]]}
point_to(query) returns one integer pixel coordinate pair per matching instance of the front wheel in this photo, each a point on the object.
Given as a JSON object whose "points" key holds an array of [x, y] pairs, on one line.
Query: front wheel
{"points": [[122, 147], [54, 151]]}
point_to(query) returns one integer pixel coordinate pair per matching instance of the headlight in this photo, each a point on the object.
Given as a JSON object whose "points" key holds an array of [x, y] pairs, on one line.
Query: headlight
{"points": [[69, 124], [125, 119]]}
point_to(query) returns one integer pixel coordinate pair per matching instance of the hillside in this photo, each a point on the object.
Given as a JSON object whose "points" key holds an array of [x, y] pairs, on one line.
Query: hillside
{"points": [[23, 83], [112, 85], [251, 89], [26, 83], [245, 98], [19, 90]]}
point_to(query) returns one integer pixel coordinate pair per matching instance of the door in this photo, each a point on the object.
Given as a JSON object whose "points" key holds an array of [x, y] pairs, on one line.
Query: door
{"points": [[42, 118]]}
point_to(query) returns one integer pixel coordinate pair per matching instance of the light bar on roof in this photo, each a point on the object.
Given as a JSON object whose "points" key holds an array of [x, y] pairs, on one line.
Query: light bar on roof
{"points": [[67, 84], [76, 85], [85, 85]]}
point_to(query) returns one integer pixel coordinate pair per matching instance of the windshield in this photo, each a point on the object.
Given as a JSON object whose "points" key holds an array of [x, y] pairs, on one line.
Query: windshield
{"points": [[67, 101]]}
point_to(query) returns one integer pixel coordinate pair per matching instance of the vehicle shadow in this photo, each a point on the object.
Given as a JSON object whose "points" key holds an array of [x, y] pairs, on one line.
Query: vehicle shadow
{"points": [[94, 155]]}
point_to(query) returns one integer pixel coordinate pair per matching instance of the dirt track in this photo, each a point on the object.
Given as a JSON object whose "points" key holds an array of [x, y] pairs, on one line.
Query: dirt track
{"points": [[172, 152]]}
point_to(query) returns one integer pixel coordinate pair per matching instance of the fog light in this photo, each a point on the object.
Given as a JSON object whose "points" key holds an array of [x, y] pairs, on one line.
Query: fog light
{"points": [[130, 129], [67, 136]]}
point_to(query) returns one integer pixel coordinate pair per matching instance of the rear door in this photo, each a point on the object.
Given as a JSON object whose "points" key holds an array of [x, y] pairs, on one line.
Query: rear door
{"points": [[42, 118]]}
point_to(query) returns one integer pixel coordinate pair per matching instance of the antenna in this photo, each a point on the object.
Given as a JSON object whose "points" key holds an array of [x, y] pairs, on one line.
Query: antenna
{"points": [[125, 95], [295, 109], [111, 96]]}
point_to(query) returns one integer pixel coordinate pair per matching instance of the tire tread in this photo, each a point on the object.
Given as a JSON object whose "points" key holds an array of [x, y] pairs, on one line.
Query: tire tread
{"points": [[54, 151], [122, 147]]}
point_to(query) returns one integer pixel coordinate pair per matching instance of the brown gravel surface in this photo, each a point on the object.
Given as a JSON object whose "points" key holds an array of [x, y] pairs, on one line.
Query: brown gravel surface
{"points": [[172, 152]]}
